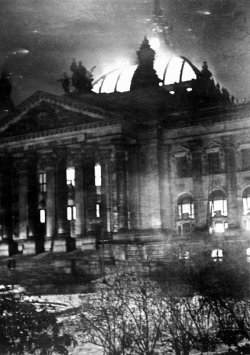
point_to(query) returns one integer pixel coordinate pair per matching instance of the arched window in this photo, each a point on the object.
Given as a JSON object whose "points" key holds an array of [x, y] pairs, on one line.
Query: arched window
{"points": [[246, 201], [218, 204], [248, 255], [185, 207]]}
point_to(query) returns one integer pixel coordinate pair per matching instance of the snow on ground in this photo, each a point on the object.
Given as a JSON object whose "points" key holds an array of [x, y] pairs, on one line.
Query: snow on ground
{"points": [[87, 349]]}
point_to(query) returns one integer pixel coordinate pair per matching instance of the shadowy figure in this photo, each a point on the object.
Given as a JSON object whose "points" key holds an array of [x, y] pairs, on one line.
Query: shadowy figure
{"points": [[65, 81], [5, 91], [81, 78]]}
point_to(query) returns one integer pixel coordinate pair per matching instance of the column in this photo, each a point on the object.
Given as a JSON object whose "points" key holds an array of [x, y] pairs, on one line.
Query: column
{"points": [[32, 197], [6, 198], [50, 204], [80, 226], [118, 182], [121, 189], [7, 244], [133, 188], [108, 188], [1, 206], [62, 231], [27, 198], [23, 200], [106, 193], [114, 192], [23, 217]]}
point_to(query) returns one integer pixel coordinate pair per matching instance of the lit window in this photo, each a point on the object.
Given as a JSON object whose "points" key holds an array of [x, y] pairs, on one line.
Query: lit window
{"points": [[70, 176], [217, 255], [218, 204], [246, 201], [219, 227], [42, 216], [247, 225], [184, 256], [185, 207], [98, 175], [97, 210], [42, 182], [248, 254], [71, 213]]}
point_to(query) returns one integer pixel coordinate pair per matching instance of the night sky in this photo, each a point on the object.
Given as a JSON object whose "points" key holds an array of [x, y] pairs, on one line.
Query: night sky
{"points": [[40, 38]]}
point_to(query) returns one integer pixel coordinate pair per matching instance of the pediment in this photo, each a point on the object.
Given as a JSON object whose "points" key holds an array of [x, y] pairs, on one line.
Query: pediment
{"points": [[180, 151], [213, 145], [45, 114]]}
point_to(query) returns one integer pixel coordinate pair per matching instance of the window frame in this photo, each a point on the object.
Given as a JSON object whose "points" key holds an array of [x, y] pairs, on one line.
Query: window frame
{"points": [[180, 205], [211, 167], [42, 181], [223, 201], [70, 180], [71, 213]]}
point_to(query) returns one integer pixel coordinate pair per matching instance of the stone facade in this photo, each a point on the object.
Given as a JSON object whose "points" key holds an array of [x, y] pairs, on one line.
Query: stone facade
{"points": [[149, 183]]}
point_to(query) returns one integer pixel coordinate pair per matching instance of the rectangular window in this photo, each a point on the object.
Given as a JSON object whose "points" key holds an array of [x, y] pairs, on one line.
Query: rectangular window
{"points": [[182, 167], [245, 156], [219, 227], [213, 160], [218, 208], [42, 182], [97, 207], [71, 213], [98, 175], [70, 176], [42, 216]]}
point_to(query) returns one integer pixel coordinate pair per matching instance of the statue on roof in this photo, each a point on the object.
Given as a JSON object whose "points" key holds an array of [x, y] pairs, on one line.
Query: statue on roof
{"points": [[5, 91], [205, 72], [65, 81], [145, 75], [82, 79]]}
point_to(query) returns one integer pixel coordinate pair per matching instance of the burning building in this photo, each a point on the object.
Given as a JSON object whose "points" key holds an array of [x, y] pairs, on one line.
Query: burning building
{"points": [[160, 169]]}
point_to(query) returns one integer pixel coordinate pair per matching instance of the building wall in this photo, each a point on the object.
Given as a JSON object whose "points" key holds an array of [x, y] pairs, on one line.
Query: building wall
{"points": [[145, 175]]}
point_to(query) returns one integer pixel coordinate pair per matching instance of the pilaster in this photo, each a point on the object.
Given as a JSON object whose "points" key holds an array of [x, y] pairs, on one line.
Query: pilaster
{"points": [[133, 189], [7, 245], [231, 181], [149, 186]]}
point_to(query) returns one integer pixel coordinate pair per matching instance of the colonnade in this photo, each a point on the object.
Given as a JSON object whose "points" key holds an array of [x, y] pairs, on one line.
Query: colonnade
{"points": [[22, 199]]}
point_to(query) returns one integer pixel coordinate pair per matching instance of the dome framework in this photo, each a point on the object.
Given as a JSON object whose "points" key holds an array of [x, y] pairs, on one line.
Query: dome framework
{"points": [[174, 70]]}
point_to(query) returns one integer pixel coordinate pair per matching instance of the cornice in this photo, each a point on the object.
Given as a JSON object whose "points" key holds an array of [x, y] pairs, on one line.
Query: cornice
{"points": [[63, 132]]}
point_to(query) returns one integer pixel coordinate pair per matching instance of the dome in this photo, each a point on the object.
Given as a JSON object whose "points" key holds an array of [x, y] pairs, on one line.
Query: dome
{"points": [[175, 70]]}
